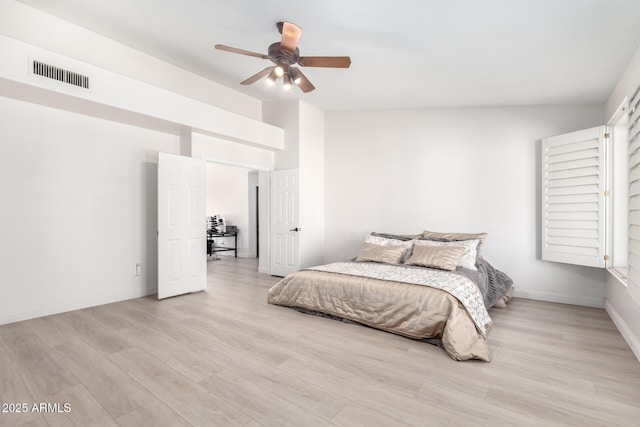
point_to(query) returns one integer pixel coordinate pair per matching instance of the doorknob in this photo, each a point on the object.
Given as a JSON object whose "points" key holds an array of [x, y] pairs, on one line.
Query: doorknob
{"points": [[296, 229]]}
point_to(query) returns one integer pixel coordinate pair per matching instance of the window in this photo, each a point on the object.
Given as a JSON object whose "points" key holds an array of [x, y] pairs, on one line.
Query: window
{"points": [[591, 196]]}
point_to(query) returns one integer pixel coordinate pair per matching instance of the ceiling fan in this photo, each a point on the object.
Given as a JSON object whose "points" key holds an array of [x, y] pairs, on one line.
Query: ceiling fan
{"points": [[285, 54]]}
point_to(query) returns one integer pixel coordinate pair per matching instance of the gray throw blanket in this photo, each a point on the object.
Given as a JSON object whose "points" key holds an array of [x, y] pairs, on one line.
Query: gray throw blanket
{"points": [[493, 283]]}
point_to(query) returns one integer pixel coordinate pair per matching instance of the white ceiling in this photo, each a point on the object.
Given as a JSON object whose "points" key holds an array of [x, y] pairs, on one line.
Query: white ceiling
{"points": [[405, 53]]}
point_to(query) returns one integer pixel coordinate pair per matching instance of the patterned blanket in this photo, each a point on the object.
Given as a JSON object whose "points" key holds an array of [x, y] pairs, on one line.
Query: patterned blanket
{"points": [[461, 287]]}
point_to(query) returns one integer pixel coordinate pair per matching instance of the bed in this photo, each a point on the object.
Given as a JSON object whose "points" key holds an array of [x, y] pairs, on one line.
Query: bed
{"points": [[431, 286]]}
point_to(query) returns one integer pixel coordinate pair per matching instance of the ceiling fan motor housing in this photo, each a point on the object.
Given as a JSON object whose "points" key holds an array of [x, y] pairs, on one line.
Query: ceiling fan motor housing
{"points": [[283, 56]]}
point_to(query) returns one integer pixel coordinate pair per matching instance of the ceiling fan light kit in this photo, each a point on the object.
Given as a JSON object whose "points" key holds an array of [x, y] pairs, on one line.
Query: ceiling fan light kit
{"points": [[285, 54], [271, 78], [294, 73], [286, 81]]}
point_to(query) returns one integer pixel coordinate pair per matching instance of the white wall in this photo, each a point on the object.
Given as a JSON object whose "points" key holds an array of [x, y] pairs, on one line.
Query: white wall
{"points": [[79, 197], [473, 170], [629, 81], [40, 29], [222, 151], [624, 312], [116, 97], [228, 194], [286, 115], [311, 152]]}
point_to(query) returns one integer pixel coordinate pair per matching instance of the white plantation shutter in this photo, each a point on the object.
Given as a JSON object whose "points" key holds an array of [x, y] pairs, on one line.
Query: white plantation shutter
{"points": [[573, 198], [634, 197]]}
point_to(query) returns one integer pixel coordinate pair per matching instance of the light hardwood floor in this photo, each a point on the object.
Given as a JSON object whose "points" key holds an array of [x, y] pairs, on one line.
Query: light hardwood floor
{"points": [[225, 357]]}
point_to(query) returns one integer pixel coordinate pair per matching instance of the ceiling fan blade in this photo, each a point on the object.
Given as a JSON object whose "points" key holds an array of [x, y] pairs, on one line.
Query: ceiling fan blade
{"points": [[305, 85], [325, 61], [257, 76], [240, 51], [291, 34]]}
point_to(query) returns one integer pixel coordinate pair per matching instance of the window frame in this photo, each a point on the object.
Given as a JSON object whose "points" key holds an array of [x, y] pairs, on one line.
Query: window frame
{"points": [[619, 192]]}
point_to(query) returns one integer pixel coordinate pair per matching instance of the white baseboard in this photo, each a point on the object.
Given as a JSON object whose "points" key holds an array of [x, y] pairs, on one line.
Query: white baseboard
{"points": [[630, 335], [47, 310], [561, 298]]}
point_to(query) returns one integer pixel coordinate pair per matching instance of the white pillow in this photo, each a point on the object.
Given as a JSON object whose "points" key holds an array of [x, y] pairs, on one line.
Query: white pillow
{"points": [[384, 241], [469, 256]]}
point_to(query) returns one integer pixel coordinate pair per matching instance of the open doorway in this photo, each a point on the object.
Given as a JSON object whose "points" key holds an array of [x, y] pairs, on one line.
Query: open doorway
{"points": [[234, 194]]}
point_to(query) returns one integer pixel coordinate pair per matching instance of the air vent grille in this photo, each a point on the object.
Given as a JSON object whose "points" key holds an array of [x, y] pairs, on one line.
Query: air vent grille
{"points": [[60, 74]]}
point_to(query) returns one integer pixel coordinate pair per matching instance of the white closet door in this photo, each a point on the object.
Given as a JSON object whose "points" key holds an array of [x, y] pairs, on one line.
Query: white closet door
{"points": [[573, 197]]}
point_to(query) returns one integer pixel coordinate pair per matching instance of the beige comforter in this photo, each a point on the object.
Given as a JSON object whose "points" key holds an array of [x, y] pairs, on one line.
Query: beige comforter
{"points": [[411, 310]]}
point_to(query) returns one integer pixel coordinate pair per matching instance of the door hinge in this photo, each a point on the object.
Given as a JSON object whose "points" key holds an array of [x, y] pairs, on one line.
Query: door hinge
{"points": [[606, 135], [606, 192], [606, 257]]}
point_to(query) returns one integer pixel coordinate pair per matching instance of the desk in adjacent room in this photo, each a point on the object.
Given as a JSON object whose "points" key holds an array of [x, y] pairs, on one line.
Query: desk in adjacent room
{"points": [[227, 231]]}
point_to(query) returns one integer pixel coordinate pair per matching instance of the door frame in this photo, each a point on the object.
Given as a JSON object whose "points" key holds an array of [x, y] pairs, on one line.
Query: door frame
{"points": [[264, 205]]}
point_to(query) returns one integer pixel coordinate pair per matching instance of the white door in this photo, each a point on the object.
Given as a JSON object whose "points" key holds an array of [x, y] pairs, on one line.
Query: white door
{"points": [[285, 222], [182, 253]]}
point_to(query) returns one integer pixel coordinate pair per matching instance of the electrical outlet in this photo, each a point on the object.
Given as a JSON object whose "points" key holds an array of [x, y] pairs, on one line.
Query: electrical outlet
{"points": [[138, 269]]}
